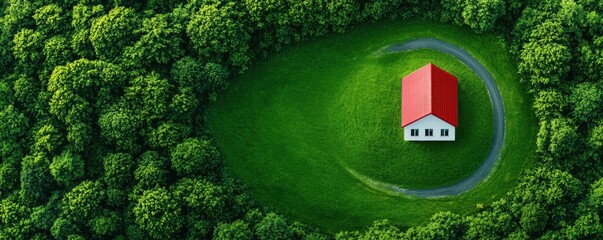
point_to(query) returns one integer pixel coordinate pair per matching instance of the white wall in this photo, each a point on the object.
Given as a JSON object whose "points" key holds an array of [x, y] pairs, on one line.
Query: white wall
{"points": [[429, 122]]}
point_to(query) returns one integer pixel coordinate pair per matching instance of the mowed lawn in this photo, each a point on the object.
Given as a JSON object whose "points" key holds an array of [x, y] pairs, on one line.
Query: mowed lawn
{"points": [[366, 117], [294, 125]]}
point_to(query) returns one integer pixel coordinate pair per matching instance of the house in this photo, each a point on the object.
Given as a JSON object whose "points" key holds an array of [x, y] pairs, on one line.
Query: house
{"points": [[429, 105]]}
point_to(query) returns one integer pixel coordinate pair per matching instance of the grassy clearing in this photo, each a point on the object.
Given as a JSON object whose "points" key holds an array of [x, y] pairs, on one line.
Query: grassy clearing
{"points": [[292, 125], [366, 116]]}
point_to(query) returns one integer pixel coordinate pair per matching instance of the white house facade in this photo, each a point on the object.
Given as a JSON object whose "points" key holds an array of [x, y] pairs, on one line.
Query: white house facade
{"points": [[429, 128]]}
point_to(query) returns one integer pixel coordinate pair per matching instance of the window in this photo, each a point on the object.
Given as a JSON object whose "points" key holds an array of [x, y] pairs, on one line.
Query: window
{"points": [[429, 132], [444, 132], [414, 132]]}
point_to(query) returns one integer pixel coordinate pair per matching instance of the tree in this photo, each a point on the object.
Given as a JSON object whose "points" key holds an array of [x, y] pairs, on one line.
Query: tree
{"points": [[120, 126], [83, 202], [533, 219], [490, 225], [340, 14], [112, 33], [453, 11], [83, 16], [158, 214], [63, 228], [151, 171], [118, 170], [544, 64], [237, 230], [50, 19], [57, 52], [216, 77], [118, 177], [595, 139], [218, 34], [79, 90], [36, 181], [160, 41], [587, 226], [150, 96], [188, 73], [549, 104], [67, 169], [481, 15], [106, 224], [168, 134], [26, 91], [586, 100], [13, 219], [13, 128], [273, 227], [18, 15], [44, 216], [47, 139], [443, 225], [194, 157], [27, 49], [9, 177], [564, 138], [200, 198]]}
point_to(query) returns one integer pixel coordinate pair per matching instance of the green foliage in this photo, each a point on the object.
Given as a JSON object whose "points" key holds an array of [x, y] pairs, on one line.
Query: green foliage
{"points": [[83, 16], [149, 95], [13, 128], [444, 225], [168, 134], [237, 230], [27, 49], [481, 15], [120, 127], [158, 213], [57, 52], [113, 32], [50, 19], [9, 176], [273, 227], [67, 169], [595, 139], [152, 170], [109, 222], [18, 15], [549, 104], [200, 198], [63, 228], [194, 157], [544, 64], [36, 181], [13, 219], [586, 101], [218, 34], [382, 229], [160, 42], [83, 202], [118, 170], [44, 216]]}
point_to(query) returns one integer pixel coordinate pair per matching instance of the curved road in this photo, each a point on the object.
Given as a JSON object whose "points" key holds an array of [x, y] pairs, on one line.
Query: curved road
{"points": [[499, 117]]}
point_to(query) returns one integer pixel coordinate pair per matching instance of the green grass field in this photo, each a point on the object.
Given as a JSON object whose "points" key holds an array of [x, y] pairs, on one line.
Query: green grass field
{"points": [[293, 126], [365, 116]]}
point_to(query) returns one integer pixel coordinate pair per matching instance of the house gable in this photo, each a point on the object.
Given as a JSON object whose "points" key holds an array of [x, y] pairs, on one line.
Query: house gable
{"points": [[430, 122]]}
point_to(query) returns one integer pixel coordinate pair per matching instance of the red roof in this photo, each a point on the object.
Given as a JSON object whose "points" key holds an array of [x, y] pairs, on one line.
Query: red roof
{"points": [[430, 90]]}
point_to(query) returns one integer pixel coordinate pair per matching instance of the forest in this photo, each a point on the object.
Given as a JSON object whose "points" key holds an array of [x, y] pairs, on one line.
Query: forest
{"points": [[103, 105]]}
